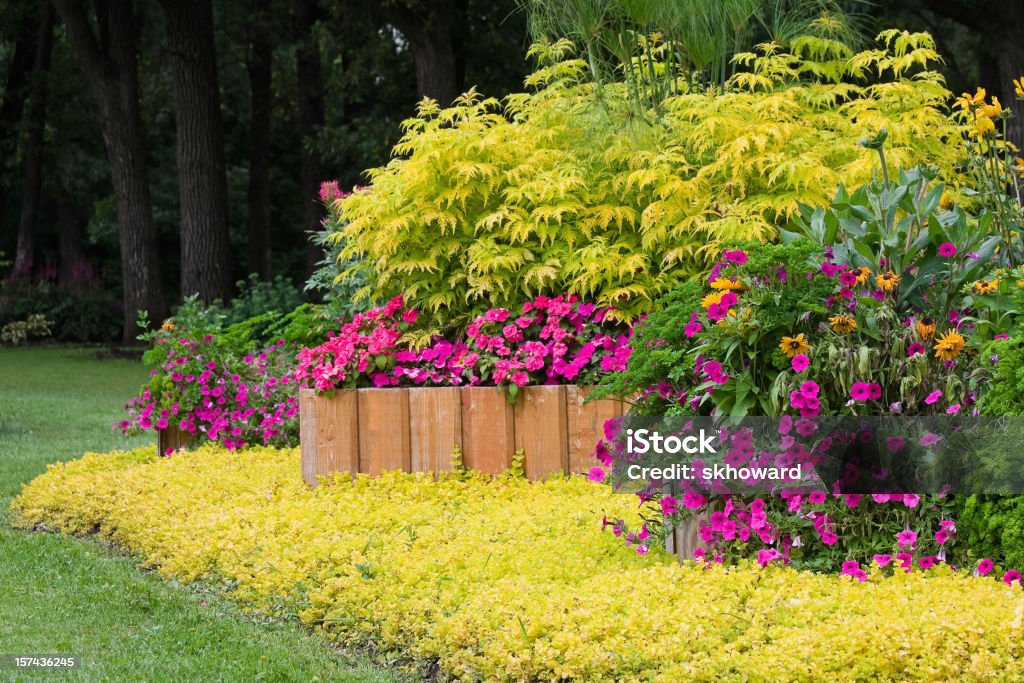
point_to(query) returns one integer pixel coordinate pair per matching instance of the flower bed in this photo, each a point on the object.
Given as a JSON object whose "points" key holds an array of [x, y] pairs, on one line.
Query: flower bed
{"points": [[503, 579]]}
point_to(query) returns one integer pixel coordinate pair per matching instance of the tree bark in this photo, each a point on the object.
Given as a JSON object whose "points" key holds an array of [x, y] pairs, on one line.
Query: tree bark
{"points": [[110, 67], [260, 75], [14, 96], [310, 84], [202, 182], [33, 147], [427, 25], [69, 241]]}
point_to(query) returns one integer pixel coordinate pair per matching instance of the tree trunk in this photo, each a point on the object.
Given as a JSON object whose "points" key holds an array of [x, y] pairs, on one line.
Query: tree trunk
{"points": [[427, 25], [33, 148], [110, 67], [69, 241], [309, 81], [14, 95], [260, 75], [202, 183]]}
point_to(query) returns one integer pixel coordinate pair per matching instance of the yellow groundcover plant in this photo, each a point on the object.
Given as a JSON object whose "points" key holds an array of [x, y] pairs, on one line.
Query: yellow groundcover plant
{"points": [[502, 579]]}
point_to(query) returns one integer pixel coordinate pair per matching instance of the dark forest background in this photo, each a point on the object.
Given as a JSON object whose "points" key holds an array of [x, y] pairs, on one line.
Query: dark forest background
{"points": [[154, 149]]}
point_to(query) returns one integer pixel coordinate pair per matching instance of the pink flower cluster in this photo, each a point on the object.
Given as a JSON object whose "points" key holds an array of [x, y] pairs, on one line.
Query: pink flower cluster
{"points": [[371, 349], [553, 340], [213, 395]]}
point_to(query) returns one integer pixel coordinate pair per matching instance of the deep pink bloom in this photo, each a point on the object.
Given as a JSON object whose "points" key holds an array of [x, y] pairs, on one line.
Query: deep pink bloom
{"points": [[985, 566], [596, 474], [947, 249], [907, 538], [1011, 576], [860, 391], [800, 362]]}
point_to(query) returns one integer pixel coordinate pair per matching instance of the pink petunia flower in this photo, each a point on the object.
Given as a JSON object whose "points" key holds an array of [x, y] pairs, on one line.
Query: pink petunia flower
{"points": [[947, 249], [800, 362]]}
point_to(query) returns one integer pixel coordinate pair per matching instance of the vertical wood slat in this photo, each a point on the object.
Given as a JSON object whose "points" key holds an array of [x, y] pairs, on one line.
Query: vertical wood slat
{"points": [[171, 438], [488, 429], [586, 425], [687, 538], [541, 426], [435, 427], [328, 433], [383, 430]]}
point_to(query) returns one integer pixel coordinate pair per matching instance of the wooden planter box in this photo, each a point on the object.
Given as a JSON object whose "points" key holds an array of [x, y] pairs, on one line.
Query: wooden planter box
{"points": [[171, 438], [416, 430]]}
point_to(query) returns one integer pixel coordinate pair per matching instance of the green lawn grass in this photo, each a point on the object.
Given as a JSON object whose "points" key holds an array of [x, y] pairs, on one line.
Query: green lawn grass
{"points": [[68, 596]]}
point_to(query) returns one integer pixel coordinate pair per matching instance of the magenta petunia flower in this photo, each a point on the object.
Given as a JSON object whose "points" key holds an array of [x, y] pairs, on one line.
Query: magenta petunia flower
{"points": [[874, 391], [800, 362], [849, 278], [915, 349], [953, 409], [985, 566], [933, 397], [883, 560], [596, 474], [926, 562], [911, 500], [809, 389], [947, 249], [907, 538], [860, 391], [895, 444], [816, 497], [1011, 576]]}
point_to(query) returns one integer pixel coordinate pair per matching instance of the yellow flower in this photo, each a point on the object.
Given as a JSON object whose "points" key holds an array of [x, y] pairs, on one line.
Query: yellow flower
{"points": [[888, 281], [926, 328], [1019, 167], [792, 346], [965, 101], [167, 326], [949, 345], [985, 286], [947, 201], [712, 299], [991, 110], [862, 275], [843, 323], [983, 127], [729, 284], [1018, 86]]}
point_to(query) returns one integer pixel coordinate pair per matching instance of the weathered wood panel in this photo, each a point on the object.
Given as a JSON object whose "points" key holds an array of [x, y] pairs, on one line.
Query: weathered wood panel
{"points": [[383, 430], [586, 425], [488, 429], [541, 430], [435, 427], [328, 433]]}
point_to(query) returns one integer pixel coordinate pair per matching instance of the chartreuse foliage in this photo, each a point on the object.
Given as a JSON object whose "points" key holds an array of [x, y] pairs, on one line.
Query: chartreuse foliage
{"points": [[490, 203], [503, 579]]}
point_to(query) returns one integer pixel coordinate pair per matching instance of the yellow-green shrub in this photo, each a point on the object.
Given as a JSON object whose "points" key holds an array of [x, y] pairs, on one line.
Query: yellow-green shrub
{"points": [[490, 203], [509, 580]]}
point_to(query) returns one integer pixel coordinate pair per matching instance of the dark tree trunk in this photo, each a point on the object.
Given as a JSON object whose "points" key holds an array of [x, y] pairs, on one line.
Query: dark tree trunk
{"points": [[14, 95], [1010, 66], [260, 75], [427, 25], [310, 84], [109, 64], [33, 147], [69, 240], [202, 183]]}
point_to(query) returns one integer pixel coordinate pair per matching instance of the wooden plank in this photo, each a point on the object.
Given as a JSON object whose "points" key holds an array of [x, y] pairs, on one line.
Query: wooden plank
{"points": [[542, 430], [488, 431], [171, 438], [328, 433], [586, 425], [383, 430], [686, 538], [435, 427]]}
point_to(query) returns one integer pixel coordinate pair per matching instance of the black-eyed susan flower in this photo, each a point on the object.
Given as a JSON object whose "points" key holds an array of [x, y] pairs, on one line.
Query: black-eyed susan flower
{"points": [[925, 328], [792, 346], [991, 110], [863, 273], [983, 127], [966, 101], [949, 345], [728, 284], [985, 286], [887, 281], [711, 299], [842, 323]]}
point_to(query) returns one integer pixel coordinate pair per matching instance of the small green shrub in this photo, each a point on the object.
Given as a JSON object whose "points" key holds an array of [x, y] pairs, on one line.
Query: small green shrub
{"points": [[993, 527]]}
